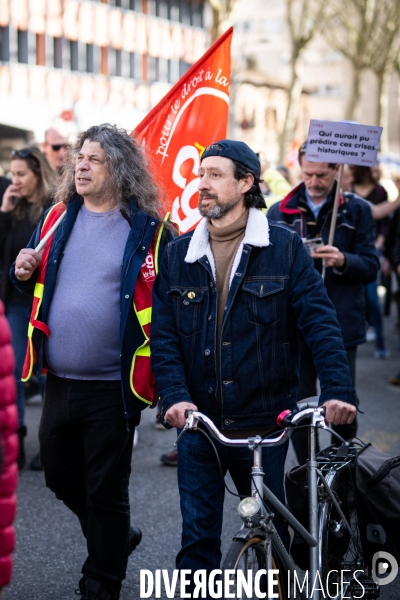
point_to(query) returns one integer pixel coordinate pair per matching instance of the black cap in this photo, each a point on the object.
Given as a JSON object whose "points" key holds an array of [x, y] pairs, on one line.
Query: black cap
{"points": [[238, 151]]}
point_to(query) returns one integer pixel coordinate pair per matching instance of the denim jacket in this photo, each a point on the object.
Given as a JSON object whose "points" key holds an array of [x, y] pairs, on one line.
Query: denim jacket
{"points": [[273, 289]]}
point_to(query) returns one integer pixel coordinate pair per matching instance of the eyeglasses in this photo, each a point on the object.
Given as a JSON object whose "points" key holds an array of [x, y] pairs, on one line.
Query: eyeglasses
{"points": [[56, 147], [24, 153]]}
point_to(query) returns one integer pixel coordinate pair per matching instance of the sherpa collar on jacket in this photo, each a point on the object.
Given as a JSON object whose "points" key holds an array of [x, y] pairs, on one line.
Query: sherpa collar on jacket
{"points": [[256, 234]]}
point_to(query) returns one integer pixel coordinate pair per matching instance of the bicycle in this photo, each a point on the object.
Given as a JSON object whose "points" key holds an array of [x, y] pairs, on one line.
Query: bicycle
{"points": [[333, 540]]}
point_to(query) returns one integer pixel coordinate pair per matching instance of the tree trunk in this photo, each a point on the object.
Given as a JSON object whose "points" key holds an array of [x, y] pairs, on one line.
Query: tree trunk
{"points": [[289, 124], [355, 93], [382, 112], [216, 21]]}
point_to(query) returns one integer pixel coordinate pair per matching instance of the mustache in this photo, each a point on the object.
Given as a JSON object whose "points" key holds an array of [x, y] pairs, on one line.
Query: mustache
{"points": [[208, 195]]}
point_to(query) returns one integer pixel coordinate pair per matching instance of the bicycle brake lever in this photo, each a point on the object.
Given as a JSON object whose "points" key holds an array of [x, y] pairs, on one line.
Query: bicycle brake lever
{"points": [[180, 435], [191, 423]]}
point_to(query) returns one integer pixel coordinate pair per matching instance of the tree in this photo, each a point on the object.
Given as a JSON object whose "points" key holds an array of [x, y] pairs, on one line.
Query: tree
{"points": [[221, 13], [383, 53], [304, 19], [364, 31]]}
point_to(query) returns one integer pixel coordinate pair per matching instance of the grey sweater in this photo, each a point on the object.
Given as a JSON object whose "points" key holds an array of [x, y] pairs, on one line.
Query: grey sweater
{"points": [[84, 317]]}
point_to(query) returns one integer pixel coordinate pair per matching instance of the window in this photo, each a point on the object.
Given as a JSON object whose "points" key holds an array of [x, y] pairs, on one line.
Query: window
{"points": [[58, 46], [163, 70], [125, 63], [151, 69], [89, 58], [174, 10], [5, 44], [185, 12], [138, 65], [74, 54], [183, 67], [173, 70], [162, 9], [22, 40], [151, 7]]}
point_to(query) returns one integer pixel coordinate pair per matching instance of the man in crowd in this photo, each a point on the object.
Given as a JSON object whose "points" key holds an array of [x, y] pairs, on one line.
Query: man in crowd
{"points": [[53, 147], [351, 262], [95, 280], [226, 306]]}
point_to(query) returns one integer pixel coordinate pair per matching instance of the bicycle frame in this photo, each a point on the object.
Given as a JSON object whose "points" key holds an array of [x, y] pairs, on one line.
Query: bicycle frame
{"points": [[259, 490]]}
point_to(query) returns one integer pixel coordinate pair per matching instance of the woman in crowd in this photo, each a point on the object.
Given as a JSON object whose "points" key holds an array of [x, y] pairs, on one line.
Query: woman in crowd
{"points": [[366, 186], [21, 208]]}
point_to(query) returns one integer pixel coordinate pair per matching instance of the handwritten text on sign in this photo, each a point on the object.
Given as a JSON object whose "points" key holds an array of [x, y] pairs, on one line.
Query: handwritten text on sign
{"points": [[341, 142]]}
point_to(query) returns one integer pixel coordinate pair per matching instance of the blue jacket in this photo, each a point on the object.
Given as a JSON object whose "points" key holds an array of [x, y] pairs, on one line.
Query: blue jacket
{"points": [[274, 289], [355, 237], [143, 228]]}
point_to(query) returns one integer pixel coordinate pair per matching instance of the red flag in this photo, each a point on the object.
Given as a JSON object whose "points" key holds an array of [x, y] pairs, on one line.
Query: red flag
{"points": [[193, 115]]}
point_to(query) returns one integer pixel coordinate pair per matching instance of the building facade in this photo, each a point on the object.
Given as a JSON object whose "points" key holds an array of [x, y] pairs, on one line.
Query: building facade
{"points": [[75, 63]]}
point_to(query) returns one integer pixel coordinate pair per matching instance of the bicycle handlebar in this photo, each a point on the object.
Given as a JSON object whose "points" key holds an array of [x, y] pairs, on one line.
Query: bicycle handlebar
{"points": [[193, 417]]}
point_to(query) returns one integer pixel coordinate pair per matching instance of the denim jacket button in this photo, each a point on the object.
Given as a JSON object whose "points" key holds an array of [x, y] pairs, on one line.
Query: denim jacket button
{"points": [[207, 352], [209, 317], [186, 302]]}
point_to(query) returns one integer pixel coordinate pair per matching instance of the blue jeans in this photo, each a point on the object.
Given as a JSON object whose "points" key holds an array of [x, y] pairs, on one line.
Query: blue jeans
{"points": [[201, 490], [374, 307], [85, 451], [18, 318]]}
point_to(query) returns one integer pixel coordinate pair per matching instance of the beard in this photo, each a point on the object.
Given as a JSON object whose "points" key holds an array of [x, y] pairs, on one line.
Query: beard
{"points": [[219, 209]]}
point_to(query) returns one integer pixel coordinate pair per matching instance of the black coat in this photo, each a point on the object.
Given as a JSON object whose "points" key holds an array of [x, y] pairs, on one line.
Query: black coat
{"points": [[355, 237], [14, 235]]}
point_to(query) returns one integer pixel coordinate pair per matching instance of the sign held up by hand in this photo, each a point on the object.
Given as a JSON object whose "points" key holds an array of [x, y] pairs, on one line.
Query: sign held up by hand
{"points": [[343, 142]]}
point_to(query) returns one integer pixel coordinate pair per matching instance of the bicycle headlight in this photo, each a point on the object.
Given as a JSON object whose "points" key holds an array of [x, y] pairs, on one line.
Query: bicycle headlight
{"points": [[248, 508]]}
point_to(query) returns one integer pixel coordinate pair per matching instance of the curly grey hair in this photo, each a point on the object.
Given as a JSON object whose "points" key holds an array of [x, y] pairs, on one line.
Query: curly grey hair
{"points": [[127, 164]]}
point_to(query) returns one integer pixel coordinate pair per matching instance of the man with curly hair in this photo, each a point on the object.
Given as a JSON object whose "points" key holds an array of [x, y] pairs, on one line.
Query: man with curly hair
{"points": [[90, 331]]}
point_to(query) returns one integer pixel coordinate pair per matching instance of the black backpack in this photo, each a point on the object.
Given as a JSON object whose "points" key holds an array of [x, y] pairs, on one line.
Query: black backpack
{"points": [[378, 501]]}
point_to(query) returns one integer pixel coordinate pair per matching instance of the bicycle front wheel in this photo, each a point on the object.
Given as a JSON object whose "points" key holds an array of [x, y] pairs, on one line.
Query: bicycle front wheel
{"points": [[339, 551], [245, 555]]}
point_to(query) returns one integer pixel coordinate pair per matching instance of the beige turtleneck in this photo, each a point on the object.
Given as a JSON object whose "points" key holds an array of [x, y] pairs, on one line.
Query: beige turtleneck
{"points": [[224, 243]]}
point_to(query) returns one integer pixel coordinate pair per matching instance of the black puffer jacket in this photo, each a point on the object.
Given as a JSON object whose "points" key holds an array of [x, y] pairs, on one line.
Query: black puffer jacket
{"points": [[14, 235]]}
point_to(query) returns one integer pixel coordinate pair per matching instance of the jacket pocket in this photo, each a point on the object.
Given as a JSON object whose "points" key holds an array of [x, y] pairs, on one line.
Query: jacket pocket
{"points": [[188, 305], [264, 300]]}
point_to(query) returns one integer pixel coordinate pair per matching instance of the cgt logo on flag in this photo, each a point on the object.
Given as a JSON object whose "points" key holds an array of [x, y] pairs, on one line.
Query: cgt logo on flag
{"points": [[193, 115]]}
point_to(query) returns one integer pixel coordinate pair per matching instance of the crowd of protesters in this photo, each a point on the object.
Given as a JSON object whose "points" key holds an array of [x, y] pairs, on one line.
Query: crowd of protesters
{"points": [[124, 200]]}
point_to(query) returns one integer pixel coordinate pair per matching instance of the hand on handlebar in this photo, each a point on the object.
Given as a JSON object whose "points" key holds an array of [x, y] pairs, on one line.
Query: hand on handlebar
{"points": [[339, 412], [175, 416]]}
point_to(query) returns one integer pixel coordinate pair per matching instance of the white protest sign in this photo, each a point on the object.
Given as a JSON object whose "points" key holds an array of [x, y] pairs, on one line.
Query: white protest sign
{"points": [[343, 142]]}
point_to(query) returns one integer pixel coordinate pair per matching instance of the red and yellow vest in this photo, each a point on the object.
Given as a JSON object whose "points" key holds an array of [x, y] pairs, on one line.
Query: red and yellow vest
{"points": [[141, 376]]}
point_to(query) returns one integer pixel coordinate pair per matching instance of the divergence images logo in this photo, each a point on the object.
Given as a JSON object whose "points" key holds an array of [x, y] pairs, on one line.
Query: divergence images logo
{"points": [[384, 568]]}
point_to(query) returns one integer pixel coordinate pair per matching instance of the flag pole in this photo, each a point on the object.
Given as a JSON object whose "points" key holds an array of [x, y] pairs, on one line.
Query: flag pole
{"points": [[42, 242], [335, 206]]}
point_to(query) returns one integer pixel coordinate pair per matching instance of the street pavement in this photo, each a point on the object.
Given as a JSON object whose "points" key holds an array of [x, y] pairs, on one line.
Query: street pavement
{"points": [[50, 546]]}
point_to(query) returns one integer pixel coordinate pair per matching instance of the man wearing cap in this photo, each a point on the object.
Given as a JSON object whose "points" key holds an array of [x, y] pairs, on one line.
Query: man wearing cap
{"points": [[350, 263], [226, 305]]}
